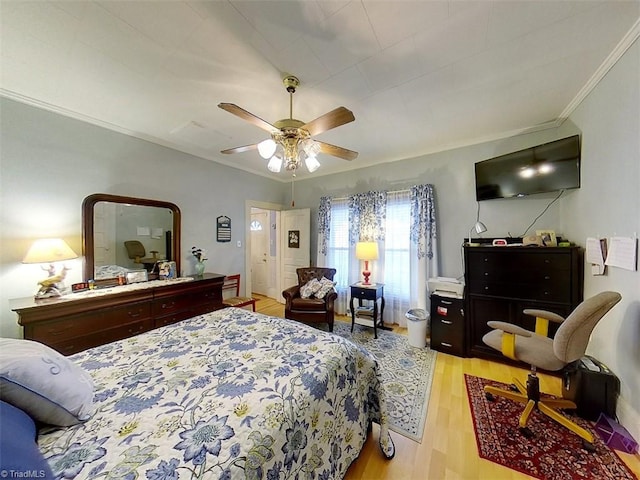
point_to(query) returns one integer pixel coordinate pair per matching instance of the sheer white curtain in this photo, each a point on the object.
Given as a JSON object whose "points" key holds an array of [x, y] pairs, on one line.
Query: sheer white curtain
{"points": [[335, 251], [408, 251]]}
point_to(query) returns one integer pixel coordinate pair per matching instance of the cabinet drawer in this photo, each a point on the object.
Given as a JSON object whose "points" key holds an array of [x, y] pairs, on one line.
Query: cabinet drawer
{"points": [[169, 305], [364, 293], [127, 313], [173, 318], [57, 331], [78, 344]]}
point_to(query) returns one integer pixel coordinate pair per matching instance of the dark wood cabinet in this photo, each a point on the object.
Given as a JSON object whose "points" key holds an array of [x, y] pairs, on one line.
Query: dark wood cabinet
{"points": [[76, 322], [503, 281], [447, 325]]}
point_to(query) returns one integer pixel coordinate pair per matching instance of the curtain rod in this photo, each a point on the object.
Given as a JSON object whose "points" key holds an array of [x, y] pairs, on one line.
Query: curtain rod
{"points": [[405, 190]]}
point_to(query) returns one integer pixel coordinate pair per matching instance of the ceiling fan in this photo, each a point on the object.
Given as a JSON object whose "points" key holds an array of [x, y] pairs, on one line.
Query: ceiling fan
{"points": [[292, 140]]}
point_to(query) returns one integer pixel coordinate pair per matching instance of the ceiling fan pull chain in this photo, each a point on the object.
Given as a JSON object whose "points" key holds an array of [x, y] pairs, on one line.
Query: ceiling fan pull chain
{"points": [[293, 201]]}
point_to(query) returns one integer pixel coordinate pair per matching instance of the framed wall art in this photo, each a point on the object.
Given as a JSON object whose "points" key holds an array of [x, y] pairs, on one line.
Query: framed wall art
{"points": [[293, 239]]}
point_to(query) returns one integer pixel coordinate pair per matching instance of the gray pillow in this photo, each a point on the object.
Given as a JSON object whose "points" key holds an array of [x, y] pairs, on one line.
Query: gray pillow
{"points": [[326, 286], [43, 383], [310, 288]]}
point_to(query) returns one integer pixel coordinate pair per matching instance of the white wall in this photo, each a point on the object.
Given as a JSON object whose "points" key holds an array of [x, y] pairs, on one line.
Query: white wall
{"points": [[50, 163], [608, 204]]}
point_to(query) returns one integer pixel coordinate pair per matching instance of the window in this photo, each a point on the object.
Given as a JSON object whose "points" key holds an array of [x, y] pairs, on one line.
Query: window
{"points": [[255, 226]]}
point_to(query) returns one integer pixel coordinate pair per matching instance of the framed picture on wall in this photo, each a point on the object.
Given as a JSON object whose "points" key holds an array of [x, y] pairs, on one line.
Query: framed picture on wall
{"points": [[293, 239]]}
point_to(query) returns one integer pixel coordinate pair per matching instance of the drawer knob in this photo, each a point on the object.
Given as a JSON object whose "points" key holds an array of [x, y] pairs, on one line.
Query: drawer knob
{"points": [[447, 322]]}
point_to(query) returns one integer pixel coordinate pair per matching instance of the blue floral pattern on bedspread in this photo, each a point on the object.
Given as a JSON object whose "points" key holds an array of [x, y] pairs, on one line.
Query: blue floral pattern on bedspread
{"points": [[229, 394]]}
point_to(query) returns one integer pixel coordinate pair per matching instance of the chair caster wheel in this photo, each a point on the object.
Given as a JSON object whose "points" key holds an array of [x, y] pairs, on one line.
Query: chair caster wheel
{"points": [[589, 447], [490, 397], [526, 432]]}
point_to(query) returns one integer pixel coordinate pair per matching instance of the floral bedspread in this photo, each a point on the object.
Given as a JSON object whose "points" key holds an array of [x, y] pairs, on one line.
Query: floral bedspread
{"points": [[229, 394]]}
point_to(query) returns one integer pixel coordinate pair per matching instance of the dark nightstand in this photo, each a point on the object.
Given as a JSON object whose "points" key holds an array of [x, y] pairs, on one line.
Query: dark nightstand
{"points": [[373, 293]]}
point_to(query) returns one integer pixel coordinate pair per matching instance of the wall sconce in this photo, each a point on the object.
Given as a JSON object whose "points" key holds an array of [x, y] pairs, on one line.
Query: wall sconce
{"points": [[50, 250], [479, 227], [366, 251]]}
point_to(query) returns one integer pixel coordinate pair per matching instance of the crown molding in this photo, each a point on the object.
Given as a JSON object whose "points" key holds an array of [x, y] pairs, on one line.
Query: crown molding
{"points": [[624, 44]]}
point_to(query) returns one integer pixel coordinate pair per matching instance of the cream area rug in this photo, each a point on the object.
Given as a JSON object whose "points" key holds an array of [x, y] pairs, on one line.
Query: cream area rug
{"points": [[407, 373]]}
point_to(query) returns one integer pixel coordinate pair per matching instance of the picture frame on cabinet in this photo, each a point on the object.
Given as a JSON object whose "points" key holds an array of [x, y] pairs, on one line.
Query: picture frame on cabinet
{"points": [[548, 237]]}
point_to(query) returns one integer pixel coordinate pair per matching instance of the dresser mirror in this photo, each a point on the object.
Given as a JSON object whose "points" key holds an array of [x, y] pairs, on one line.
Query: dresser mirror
{"points": [[122, 234]]}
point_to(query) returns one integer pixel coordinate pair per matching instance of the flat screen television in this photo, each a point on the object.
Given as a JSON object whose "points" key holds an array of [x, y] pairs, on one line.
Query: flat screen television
{"points": [[549, 167]]}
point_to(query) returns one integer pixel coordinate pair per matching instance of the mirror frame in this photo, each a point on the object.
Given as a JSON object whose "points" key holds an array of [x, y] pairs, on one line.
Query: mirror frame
{"points": [[88, 205]]}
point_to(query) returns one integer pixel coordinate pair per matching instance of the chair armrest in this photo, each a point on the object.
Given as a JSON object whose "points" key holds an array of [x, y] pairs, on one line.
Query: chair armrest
{"points": [[291, 292], [510, 328], [509, 332], [554, 317], [329, 300], [543, 318]]}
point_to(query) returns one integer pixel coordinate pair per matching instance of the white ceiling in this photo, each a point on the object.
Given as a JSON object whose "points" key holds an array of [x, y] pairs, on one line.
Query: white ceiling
{"points": [[420, 76]]}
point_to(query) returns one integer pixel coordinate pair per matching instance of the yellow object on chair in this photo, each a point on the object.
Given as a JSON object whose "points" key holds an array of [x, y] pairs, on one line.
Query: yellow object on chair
{"points": [[539, 351]]}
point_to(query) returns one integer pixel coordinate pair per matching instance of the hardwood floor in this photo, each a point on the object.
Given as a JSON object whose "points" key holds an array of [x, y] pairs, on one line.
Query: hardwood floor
{"points": [[448, 449]]}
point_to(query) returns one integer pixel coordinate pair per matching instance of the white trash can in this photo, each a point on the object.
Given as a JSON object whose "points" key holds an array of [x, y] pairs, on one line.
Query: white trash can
{"points": [[417, 326]]}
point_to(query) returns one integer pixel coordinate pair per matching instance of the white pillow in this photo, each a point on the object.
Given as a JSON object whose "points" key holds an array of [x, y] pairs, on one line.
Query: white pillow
{"points": [[326, 286], [46, 385], [310, 288]]}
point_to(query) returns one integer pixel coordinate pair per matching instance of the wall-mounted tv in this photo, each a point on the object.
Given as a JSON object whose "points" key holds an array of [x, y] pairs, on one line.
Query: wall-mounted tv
{"points": [[549, 167]]}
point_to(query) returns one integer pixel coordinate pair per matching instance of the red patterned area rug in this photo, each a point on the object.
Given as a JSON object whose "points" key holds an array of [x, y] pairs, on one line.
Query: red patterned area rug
{"points": [[553, 452]]}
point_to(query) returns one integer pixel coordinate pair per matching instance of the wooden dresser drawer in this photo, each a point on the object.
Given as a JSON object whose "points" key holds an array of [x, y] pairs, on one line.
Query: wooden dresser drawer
{"points": [[57, 331], [100, 337], [170, 305], [127, 313]]}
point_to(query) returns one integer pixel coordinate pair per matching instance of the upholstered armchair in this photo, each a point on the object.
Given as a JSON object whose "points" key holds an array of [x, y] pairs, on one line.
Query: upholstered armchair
{"points": [[312, 309]]}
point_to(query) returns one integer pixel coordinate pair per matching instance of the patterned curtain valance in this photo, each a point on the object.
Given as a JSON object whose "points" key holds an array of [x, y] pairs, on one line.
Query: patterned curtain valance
{"points": [[324, 224], [367, 215], [423, 219]]}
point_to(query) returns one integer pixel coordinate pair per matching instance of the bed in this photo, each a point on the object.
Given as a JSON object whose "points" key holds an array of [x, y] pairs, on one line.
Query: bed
{"points": [[229, 394]]}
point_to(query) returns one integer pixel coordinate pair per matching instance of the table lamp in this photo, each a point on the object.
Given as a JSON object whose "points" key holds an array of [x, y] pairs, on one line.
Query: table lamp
{"points": [[479, 227], [366, 251], [50, 250]]}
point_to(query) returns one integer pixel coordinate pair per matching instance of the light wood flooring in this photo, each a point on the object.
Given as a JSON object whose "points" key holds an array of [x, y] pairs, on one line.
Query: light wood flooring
{"points": [[448, 449]]}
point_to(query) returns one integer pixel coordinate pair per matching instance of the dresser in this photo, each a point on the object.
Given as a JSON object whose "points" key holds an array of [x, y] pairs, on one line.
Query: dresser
{"points": [[502, 281], [83, 320]]}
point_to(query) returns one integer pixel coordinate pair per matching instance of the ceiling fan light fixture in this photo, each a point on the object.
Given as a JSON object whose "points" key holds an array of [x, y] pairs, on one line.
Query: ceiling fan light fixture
{"points": [[312, 163], [267, 148], [311, 147], [275, 164]]}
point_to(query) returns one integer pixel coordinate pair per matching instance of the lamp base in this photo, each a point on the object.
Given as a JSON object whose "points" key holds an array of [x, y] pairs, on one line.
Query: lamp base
{"points": [[366, 274]]}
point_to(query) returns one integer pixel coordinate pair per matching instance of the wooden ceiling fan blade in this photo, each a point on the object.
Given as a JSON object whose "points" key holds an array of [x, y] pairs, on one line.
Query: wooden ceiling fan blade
{"points": [[332, 119], [339, 152], [244, 148], [248, 116]]}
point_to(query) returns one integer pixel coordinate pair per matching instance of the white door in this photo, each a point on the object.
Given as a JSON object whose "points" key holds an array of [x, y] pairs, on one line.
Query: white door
{"points": [[295, 244], [260, 251]]}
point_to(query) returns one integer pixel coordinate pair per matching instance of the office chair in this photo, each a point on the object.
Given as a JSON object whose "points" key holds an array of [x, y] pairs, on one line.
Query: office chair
{"points": [[539, 351]]}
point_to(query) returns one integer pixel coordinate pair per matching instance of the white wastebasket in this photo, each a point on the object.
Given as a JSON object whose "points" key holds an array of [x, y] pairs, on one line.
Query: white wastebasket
{"points": [[417, 326]]}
